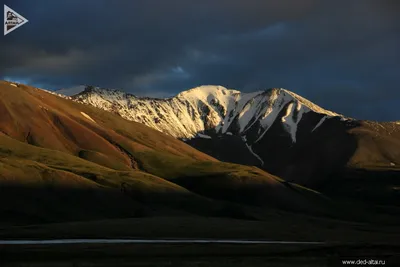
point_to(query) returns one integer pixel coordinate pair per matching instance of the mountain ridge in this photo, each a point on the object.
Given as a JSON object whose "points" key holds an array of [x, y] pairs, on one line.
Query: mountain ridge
{"points": [[52, 148], [204, 108], [47, 140], [274, 129]]}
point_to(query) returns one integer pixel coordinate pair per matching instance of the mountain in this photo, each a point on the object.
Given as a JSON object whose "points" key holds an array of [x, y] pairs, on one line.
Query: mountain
{"points": [[276, 130], [71, 91], [61, 160], [205, 108]]}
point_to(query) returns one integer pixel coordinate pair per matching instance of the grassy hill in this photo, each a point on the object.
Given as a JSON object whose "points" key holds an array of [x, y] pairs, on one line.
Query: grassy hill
{"points": [[61, 160]]}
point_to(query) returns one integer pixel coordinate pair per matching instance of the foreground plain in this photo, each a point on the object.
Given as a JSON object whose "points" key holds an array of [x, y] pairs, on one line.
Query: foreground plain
{"points": [[194, 255]]}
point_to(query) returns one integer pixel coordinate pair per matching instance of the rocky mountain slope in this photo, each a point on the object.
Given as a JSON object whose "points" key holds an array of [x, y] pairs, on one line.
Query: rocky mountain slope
{"points": [[206, 108], [62, 160], [275, 129]]}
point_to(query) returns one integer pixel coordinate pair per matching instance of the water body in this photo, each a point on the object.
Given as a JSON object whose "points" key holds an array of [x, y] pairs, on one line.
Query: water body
{"points": [[150, 241]]}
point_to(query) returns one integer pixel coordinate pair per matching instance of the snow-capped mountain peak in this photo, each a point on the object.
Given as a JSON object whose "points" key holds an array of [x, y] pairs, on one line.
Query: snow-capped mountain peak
{"points": [[204, 91], [208, 108]]}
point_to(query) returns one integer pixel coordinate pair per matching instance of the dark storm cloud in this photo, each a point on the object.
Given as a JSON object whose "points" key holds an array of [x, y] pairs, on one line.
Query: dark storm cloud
{"points": [[341, 54]]}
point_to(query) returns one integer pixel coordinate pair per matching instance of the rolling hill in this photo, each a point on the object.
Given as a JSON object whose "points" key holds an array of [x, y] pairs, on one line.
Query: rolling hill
{"points": [[62, 160]]}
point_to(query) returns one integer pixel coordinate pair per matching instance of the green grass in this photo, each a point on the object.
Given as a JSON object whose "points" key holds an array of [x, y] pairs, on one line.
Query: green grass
{"points": [[14, 151], [103, 160]]}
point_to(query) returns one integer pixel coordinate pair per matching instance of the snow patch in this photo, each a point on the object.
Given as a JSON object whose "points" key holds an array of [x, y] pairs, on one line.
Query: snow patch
{"points": [[229, 133], [319, 123], [249, 105], [203, 136], [254, 154], [87, 116], [53, 93], [276, 103], [289, 122]]}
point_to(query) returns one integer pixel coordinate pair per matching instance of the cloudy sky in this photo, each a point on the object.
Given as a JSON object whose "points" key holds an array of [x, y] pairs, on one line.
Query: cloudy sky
{"points": [[343, 54]]}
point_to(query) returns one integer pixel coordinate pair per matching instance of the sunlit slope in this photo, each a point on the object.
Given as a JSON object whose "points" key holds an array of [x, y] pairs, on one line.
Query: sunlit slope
{"points": [[39, 118], [378, 145], [29, 166], [40, 163], [48, 142]]}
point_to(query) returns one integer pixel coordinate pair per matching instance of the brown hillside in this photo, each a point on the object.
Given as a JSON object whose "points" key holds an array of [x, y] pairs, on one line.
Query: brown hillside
{"points": [[39, 118], [52, 147]]}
